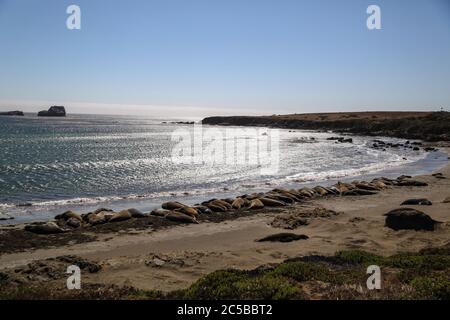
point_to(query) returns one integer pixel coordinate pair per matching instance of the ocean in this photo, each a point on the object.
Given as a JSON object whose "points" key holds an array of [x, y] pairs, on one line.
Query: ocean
{"points": [[81, 162]]}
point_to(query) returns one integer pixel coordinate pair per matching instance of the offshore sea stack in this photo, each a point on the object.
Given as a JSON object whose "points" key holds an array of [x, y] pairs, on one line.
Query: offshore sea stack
{"points": [[55, 111], [12, 113]]}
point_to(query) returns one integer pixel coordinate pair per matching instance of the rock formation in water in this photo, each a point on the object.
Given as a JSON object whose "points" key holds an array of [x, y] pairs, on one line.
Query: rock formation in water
{"points": [[55, 111], [11, 113]]}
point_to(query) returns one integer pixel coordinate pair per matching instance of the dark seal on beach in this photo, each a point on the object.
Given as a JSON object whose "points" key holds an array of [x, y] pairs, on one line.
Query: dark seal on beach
{"points": [[283, 237], [409, 219]]}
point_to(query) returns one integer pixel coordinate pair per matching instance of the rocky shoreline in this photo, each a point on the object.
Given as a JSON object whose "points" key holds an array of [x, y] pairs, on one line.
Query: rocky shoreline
{"points": [[428, 126]]}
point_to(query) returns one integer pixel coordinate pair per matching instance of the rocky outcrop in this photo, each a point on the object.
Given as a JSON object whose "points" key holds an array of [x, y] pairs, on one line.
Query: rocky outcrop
{"points": [[429, 126], [12, 113], [55, 111]]}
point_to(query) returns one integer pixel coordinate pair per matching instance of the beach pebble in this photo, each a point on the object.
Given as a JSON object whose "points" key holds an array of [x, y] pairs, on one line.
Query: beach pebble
{"points": [[409, 219]]}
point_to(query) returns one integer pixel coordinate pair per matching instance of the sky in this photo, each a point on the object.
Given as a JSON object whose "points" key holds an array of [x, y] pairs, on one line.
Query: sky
{"points": [[218, 57]]}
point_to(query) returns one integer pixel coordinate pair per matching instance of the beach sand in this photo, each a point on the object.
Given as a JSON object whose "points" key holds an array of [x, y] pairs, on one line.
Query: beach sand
{"points": [[175, 257]]}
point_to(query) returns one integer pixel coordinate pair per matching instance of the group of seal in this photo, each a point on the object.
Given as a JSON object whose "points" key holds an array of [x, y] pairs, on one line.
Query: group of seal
{"points": [[179, 212]]}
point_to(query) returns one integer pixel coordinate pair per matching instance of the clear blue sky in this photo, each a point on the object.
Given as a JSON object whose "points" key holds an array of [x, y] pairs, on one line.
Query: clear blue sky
{"points": [[272, 56]]}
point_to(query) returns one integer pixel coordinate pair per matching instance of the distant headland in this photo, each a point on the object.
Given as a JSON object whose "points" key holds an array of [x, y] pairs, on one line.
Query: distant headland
{"points": [[429, 126]]}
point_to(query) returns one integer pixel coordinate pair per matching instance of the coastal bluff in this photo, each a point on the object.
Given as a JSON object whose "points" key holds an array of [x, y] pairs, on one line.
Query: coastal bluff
{"points": [[428, 126], [54, 111]]}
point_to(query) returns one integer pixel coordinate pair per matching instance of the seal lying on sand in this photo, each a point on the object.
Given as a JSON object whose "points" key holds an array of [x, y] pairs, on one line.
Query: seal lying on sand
{"points": [[284, 237], [410, 219], [46, 228], [419, 202], [180, 217]]}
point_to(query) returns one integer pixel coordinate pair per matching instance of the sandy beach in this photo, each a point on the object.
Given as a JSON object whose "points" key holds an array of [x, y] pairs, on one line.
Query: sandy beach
{"points": [[175, 256]]}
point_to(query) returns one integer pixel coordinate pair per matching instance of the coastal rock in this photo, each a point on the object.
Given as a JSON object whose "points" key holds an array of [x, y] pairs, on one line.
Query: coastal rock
{"points": [[419, 202], [284, 237], [409, 219], [44, 228], [12, 113], [180, 217], [54, 111]]}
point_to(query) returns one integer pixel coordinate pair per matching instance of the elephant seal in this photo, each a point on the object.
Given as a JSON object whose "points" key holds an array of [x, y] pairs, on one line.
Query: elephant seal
{"points": [[271, 202], [238, 203], [216, 208], [160, 212], [46, 228], [120, 216], [73, 223], [410, 219], [68, 215], [222, 203], [180, 217], [189, 211], [202, 209], [99, 218], [284, 237], [366, 186], [418, 202], [255, 205], [172, 205], [321, 191], [135, 213]]}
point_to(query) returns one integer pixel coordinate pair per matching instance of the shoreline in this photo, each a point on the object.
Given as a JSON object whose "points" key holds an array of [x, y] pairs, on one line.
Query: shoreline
{"points": [[23, 213], [173, 256]]}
